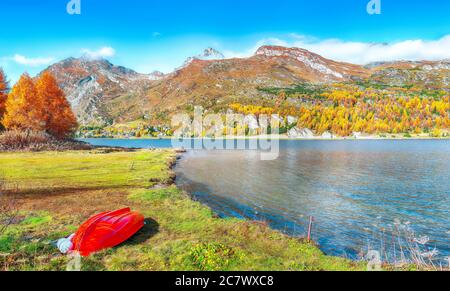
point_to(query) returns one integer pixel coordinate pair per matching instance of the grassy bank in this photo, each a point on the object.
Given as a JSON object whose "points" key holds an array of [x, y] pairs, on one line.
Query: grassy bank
{"points": [[57, 191]]}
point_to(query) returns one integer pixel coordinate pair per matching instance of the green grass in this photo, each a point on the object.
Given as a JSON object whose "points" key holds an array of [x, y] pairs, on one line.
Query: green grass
{"points": [[180, 234], [83, 170]]}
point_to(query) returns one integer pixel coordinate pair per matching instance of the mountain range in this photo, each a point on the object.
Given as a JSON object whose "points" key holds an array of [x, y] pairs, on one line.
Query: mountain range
{"points": [[103, 93]]}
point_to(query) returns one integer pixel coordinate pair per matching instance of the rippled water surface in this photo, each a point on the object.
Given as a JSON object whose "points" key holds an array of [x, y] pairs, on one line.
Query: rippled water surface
{"points": [[355, 190]]}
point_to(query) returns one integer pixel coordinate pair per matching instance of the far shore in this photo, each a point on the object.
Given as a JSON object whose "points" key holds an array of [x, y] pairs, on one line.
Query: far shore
{"points": [[285, 137]]}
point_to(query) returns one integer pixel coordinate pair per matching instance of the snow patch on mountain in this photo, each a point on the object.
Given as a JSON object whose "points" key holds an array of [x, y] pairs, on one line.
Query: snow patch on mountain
{"points": [[208, 54]]}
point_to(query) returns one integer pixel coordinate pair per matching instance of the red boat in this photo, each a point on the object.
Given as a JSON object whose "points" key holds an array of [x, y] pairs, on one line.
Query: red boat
{"points": [[106, 230]]}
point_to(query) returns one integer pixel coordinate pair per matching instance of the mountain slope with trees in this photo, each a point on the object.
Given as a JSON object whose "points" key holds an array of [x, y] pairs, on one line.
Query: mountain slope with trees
{"points": [[324, 95]]}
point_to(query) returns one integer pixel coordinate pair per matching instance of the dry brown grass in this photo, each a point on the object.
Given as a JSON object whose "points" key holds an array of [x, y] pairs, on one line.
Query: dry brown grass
{"points": [[8, 207], [15, 140], [76, 203]]}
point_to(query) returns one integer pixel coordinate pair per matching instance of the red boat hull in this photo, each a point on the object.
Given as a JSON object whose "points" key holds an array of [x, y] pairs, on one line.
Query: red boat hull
{"points": [[106, 230]]}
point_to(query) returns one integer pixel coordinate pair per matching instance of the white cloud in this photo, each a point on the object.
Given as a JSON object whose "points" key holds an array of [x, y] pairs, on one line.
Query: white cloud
{"points": [[104, 52], [32, 62], [361, 52]]}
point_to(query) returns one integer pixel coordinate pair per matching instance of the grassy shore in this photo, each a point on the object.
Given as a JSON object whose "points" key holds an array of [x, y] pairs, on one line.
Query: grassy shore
{"points": [[57, 191]]}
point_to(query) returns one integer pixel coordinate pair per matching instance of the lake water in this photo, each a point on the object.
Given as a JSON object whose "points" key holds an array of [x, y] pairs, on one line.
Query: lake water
{"points": [[361, 193]]}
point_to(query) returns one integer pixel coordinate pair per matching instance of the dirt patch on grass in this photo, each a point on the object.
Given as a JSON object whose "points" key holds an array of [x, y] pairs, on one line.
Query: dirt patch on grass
{"points": [[79, 203]]}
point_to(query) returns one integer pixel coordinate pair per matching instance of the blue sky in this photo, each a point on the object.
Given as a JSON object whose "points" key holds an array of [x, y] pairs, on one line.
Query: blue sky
{"points": [[161, 34]]}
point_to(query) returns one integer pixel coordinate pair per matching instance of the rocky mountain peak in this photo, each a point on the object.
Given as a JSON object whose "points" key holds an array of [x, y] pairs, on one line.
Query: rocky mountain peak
{"points": [[207, 55], [309, 59], [156, 75], [280, 51], [212, 54], [91, 84]]}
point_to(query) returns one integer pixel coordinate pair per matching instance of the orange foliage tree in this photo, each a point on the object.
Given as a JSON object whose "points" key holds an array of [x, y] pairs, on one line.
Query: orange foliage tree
{"points": [[59, 118], [3, 94], [39, 106], [23, 109]]}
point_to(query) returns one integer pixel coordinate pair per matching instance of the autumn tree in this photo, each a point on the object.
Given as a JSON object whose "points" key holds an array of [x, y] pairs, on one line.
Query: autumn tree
{"points": [[23, 108], [56, 111], [3, 95], [345, 108], [39, 106]]}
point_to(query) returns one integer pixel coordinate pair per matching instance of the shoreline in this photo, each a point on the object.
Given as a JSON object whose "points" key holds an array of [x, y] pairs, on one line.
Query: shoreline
{"points": [[174, 162], [179, 154], [179, 226], [264, 137], [188, 219]]}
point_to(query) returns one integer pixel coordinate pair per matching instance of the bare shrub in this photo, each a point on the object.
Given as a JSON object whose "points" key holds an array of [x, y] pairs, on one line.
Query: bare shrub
{"points": [[8, 208], [400, 246], [15, 140]]}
